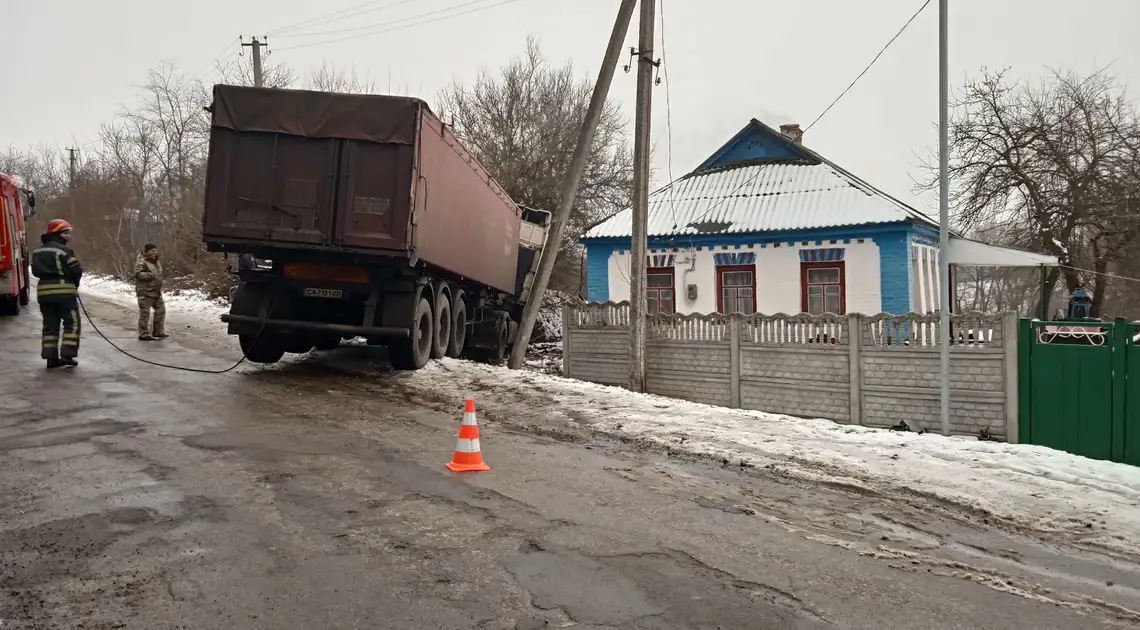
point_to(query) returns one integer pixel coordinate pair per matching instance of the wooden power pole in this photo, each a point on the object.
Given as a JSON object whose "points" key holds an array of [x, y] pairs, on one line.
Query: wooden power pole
{"points": [[640, 247], [256, 46], [570, 183]]}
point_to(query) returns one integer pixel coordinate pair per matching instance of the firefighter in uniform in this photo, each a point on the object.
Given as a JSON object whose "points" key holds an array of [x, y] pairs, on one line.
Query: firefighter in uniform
{"points": [[59, 273]]}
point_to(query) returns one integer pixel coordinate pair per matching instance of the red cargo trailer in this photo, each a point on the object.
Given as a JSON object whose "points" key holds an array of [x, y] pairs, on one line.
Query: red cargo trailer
{"points": [[378, 223]]}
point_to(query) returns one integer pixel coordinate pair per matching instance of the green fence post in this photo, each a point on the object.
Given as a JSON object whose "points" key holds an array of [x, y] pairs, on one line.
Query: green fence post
{"points": [[1024, 391], [1120, 342]]}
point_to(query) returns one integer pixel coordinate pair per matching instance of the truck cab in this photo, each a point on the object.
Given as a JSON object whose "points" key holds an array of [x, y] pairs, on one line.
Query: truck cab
{"points": [[17, 204]]}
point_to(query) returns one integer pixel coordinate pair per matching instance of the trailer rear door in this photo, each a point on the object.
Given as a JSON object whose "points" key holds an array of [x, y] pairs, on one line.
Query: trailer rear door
{"points": [[375, 199], [271, 187]]}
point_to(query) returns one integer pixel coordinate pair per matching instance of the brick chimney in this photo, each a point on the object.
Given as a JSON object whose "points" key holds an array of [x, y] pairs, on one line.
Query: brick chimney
{"points": [[793, 132]]}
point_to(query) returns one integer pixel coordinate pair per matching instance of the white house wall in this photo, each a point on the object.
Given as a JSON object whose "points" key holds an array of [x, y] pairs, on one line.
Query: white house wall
{"points": [[777, 282], [619, 277]]}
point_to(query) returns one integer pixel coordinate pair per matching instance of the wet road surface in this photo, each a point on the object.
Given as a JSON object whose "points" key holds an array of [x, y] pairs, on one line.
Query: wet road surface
{"points": [[313, 495]]}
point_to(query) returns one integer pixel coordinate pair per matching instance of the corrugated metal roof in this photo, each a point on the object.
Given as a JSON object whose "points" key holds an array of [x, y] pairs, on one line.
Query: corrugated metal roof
{"points": [[763, 197]]}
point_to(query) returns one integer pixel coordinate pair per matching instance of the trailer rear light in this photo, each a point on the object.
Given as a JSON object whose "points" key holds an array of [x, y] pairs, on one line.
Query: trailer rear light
{"points": [[336, 273]]}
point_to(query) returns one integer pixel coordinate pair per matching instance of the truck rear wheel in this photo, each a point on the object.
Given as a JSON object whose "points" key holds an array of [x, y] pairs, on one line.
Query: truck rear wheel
{"points": [[265, 348], [458, 326], [493, 337], [26, 295], [441, 326], [499, 352], [297, 343], [414, 352]]}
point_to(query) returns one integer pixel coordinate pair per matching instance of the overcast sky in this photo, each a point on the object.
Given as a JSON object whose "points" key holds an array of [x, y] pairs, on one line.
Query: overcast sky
{"points": [[73, 64]]}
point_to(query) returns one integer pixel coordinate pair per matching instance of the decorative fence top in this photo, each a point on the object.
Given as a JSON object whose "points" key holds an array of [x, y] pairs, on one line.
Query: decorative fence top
{"points": [[969, 330]]}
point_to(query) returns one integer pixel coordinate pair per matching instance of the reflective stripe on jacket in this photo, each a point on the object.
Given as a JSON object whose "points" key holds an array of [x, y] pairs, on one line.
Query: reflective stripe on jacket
{"points": [[57, 268]]}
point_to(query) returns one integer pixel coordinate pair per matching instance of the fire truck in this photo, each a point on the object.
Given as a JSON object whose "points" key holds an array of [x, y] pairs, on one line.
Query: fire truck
{"points": [[17, 205]]}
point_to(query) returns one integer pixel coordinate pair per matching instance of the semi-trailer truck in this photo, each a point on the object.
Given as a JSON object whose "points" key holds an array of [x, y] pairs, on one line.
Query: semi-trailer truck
{"points": [[362, 216]]}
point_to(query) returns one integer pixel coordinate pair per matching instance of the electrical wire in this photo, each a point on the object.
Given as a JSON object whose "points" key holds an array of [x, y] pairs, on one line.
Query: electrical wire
{"points": [[880, 54], [1097, 273], [180, 368], [386, 23], [761, 169], [437, 18], [668, 118], [215, 59], [355, 10]]}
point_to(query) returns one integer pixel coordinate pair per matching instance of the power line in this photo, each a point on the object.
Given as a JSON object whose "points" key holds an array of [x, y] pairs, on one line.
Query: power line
{"points": [[348, 12], [387, 23], [215, 59], [668, 118], [880, 54], [438, 18], [1099, 273]]}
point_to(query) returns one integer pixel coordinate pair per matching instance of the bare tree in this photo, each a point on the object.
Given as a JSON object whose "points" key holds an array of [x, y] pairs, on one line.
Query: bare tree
{"points": [[1053, 163], [239, 71], [522, 122], [328, 78]]}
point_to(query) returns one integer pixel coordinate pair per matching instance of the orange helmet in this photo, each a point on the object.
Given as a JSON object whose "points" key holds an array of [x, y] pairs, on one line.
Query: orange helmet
{"points": [[57, 225]]}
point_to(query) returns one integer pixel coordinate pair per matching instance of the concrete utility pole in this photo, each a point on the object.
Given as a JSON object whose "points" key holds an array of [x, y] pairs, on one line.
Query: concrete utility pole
{"points": [[944, 206], [72, 161], [256, 46], [640, 248], [570, 184]]}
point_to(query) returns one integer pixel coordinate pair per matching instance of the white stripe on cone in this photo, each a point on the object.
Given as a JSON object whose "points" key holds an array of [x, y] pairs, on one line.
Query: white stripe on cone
{"points": [[467, 446], [469, 418]]}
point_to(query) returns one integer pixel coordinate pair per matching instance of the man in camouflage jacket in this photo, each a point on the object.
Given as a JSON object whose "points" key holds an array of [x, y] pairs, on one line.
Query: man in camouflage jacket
{"points": [[148, 288]]}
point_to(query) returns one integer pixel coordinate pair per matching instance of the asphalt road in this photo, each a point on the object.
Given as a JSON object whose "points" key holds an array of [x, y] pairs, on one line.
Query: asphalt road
{"points": [[313, 495]]}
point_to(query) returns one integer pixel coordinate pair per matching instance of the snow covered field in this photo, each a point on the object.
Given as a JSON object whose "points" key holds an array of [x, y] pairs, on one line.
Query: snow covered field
{"points": [[1087, 501]]}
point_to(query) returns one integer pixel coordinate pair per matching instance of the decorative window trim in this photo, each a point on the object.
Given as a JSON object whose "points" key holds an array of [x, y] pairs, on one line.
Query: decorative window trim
{"points": [[823, 254], [735, 259]]}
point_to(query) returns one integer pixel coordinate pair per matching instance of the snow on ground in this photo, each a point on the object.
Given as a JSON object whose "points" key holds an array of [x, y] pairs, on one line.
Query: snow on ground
{"points": [[1090, 501], [187, 302], [1031, 486]]}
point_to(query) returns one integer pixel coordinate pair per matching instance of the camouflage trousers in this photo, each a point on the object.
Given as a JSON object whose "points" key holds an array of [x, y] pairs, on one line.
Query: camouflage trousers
{"points": [[147, 303]]}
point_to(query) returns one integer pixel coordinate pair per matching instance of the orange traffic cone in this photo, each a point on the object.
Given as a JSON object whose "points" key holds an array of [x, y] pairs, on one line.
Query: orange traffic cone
{"points": [[468, 457]]}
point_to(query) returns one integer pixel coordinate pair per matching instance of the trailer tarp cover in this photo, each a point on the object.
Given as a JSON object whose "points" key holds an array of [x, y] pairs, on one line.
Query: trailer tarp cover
{"points": [[368, 117]]}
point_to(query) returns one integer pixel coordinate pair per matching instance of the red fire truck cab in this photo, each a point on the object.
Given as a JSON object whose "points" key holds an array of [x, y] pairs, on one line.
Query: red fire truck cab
{"points": [[17, 204]]}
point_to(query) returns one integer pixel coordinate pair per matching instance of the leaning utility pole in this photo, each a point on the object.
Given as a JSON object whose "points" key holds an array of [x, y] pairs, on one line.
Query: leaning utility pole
{"points": [[944, 211], [570, 183], [256, 46], [640, 248]]}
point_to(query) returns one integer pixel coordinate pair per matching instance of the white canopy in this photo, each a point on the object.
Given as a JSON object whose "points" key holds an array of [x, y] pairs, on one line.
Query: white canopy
{"points": [[978, 254]]}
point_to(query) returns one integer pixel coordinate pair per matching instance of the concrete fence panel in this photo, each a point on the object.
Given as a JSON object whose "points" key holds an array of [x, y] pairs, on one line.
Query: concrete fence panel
{"points": [[875, 370]]}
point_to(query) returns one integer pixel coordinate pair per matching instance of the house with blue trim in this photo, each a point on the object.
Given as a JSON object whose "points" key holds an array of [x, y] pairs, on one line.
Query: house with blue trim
{"points": [[766, 225]]}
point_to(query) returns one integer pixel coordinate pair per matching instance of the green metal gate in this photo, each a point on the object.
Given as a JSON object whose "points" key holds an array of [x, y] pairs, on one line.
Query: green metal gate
{"points": [[1075, 391]]}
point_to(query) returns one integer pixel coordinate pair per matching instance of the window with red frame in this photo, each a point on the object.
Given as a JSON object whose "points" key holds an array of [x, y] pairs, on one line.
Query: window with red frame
{"points": [[823, 288], [736, 289], [660, 296]]}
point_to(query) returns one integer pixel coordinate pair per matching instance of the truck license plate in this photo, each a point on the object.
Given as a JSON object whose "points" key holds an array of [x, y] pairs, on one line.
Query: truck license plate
{"points": [[322, 293]]}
